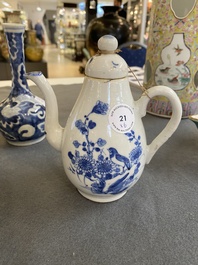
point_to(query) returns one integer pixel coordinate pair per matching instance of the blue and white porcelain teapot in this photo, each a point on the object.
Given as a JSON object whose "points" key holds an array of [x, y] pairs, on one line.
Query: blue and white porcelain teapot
{"points": [[103, 145]]}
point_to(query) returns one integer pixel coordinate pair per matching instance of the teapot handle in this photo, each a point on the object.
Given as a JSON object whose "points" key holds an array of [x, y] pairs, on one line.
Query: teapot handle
{"points": [[173, 123]]}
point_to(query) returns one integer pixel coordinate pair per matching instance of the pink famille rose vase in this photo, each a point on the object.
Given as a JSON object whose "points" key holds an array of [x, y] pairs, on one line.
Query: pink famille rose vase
{"points": [[172, 55]]}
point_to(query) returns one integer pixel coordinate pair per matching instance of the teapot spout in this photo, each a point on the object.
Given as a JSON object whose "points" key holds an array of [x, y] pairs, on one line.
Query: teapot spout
{"points": [[52, 127]]}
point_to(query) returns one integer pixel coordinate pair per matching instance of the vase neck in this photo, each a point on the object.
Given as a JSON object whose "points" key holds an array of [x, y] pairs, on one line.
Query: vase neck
{"points": [[110, 10], [17, 62]]}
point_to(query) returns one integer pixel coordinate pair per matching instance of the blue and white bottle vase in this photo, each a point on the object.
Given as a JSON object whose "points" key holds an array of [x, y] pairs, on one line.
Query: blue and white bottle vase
{"points": [[22, 114]]}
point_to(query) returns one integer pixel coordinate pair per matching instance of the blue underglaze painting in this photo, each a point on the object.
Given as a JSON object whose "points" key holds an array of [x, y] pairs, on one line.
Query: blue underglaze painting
{"points": [[22, 115], [103, 169], [17, 59], [22, 120]]}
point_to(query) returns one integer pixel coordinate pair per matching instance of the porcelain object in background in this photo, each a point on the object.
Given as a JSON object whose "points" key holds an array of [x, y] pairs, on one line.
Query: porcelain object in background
{"points": [[110, 23], [33, 51], [194, 118], [103, 145], [172, 55], [22, 114]]}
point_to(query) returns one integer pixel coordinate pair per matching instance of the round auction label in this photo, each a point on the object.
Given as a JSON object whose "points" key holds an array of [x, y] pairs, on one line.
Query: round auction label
{"points": [[121, 118]]}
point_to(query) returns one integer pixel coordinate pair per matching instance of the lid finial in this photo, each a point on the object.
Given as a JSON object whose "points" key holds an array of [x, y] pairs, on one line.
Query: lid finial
{"points": [[108, 43]]}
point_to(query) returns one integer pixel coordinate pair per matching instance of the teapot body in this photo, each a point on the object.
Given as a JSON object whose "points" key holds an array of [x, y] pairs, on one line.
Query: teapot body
{"points": [[104, 142], [103, 145]]}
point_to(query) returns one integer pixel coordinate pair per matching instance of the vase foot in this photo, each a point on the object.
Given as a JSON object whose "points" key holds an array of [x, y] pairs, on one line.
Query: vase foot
{"points": [[102, 198], [26, 143]]}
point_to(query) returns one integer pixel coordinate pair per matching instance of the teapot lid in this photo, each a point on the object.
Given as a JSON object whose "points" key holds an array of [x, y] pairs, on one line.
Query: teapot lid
{"points": [[106, 63]]}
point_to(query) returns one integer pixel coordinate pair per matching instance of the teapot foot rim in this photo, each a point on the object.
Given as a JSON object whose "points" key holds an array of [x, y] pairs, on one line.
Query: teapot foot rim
{"points": [[102, 198]]}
